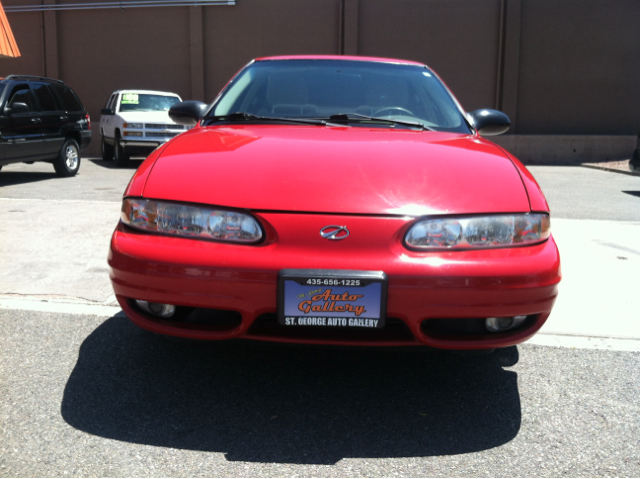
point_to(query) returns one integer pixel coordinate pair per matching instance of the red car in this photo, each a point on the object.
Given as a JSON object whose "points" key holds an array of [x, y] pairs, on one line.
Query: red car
{"points": [[336, 200]]}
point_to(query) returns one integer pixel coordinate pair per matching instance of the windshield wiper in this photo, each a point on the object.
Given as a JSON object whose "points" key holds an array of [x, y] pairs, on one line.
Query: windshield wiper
{"points": [[241, 116], [347, 117]]}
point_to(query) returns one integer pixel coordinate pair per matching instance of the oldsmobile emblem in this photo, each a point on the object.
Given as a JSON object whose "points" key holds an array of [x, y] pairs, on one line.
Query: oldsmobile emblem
{"points": [[334, 233]]}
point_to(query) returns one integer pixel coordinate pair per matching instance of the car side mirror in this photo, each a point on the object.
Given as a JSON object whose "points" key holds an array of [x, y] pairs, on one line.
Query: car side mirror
{"points": [[490, 122], [107, 111], [188, 113], [17, 108]]}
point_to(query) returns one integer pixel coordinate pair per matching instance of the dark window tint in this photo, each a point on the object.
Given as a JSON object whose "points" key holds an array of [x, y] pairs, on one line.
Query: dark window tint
{"points": [[23, 96], [69, 100], [321, 88], [44, 97]]}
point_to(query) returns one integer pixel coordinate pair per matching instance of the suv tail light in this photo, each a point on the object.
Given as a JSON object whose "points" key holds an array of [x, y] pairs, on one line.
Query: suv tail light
{"points": [[88, 118]]}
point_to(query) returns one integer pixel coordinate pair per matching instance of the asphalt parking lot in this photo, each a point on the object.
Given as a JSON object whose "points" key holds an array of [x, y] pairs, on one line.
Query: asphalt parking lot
{"points": [[86, 393]]}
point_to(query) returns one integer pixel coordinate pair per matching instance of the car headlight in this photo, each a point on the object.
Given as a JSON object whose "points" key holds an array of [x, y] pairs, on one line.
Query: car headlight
{"points": [[479, 232], [190, 221], [137, 126]]}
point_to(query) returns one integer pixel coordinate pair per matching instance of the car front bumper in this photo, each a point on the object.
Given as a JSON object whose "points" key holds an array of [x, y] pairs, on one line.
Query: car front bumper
{"points": [[146, 144], [447, 286]]}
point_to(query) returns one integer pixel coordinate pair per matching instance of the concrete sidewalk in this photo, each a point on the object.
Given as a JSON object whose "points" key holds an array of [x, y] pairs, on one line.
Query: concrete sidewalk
{"points": [[598, 304]]}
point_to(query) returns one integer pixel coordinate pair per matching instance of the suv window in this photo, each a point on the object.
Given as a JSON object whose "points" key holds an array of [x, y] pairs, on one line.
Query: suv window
{"points": [[68, 99], [23, 95], [45, 97]]}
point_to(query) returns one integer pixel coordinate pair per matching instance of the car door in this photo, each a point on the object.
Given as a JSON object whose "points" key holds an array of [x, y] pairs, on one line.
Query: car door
{"points": [[54, 119], [22, 131], [107, 121]]}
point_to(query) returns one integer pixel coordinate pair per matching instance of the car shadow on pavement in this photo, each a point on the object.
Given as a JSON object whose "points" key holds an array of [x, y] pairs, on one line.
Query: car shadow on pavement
{"points": [[133, 164], [268, 402], [10, 178], [633, 193]]}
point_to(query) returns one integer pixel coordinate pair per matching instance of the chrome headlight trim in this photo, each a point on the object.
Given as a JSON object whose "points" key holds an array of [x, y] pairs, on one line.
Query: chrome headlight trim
{"points": [[191, 221], [477, 232]]}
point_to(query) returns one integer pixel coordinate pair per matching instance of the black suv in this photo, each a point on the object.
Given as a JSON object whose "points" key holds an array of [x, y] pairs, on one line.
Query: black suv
{"points": [[42, 120]]}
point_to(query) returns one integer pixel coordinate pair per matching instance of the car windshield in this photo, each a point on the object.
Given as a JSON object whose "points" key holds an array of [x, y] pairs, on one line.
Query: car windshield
{"points": [[146, 102], [322, 88]]}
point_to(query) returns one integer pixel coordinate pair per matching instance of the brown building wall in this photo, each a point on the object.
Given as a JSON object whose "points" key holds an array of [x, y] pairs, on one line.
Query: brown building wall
{"points": [[123, 50], [556, 67], [256, 28], [579, 67], [27, 29], [459, 39]]}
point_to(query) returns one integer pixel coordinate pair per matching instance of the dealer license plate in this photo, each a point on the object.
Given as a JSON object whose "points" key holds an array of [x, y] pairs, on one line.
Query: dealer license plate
{"points": [[332, 298]]}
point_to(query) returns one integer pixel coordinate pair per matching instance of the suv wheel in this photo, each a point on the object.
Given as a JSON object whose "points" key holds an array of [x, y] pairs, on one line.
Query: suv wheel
{"points": [[68, 161], [107, 151], [121, 156]]}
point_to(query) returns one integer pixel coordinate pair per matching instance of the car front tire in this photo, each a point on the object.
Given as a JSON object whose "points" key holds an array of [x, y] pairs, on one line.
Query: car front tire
{"points": [[68, 161], [634, 163], [107, 151], [121, 156]]}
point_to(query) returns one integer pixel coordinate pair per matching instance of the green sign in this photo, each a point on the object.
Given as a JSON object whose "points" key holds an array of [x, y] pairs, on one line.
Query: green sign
{"points": [[130, 98]]}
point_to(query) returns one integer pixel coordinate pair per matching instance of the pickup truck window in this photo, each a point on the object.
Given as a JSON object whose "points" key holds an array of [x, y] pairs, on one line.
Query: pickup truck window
{"points": [[146, 102]]}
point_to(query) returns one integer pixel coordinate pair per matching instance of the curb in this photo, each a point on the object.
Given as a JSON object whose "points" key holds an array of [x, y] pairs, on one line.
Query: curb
{"points": [[612, 170]]}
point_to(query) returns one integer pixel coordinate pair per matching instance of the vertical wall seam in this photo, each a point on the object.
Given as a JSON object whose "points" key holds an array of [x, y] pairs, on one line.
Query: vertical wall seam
{"points": [[511, 60], [500, 62], [350, 27], [341, 27], [50, 42], [196, 51]]}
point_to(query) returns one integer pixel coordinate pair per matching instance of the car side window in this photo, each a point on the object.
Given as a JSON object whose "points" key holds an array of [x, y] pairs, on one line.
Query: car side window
{"points": [[110, 103], [22, 94], [45, 98], [68, 99]]}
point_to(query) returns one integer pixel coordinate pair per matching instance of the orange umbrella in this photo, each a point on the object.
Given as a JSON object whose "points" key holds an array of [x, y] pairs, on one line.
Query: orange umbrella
{"points": [[8, 45]]}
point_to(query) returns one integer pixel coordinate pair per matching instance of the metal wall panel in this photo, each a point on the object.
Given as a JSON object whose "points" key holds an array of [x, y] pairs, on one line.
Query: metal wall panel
{"points": [[256, 28], [458, 38], [555, 66], [124, 49], [579, 67], [27, 30]]}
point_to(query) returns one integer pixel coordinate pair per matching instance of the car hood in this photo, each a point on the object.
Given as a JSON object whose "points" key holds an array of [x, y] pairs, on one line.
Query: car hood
{"points": [[146, 117], [337, 170]]}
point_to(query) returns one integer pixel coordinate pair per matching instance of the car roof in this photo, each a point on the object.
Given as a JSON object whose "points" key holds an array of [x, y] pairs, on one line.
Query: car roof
{"points": [[341, 57], [21, 78], [151, 92]]}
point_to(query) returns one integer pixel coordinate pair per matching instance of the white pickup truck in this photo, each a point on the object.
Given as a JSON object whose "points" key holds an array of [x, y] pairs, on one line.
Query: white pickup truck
{"points": [[135, 122]]}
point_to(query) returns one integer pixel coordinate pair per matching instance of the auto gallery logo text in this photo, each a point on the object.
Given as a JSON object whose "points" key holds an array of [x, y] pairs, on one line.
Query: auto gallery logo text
{"points": [[332, 303], [322, 321]]}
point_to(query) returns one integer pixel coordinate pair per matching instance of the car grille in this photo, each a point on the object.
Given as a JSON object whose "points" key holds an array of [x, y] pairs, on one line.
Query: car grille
{"points": [[160, 126], [153, 134]]}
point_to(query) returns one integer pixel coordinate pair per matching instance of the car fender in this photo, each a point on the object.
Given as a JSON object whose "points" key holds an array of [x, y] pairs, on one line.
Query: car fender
{"points": [[537, 200]]}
